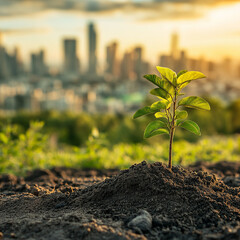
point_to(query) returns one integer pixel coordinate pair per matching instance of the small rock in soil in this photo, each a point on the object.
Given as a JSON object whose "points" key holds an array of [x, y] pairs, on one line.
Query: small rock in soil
{"points": [[141, 222]]}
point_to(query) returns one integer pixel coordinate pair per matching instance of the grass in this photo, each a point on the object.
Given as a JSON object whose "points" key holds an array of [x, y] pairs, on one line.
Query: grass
{"points": [[31, 151]]}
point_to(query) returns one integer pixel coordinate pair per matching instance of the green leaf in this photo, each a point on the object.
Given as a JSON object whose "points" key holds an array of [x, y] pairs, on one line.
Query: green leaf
{"points": [[166, 86], [179, 121], [191, 127], [157, 132], [167, 73], [3, 138], [163, 104], [143, 111], [164, 120], [194, 102], [181, 114], [189, 76], [159, 114], [154, 79], [163, 84], [181, 73], [173, 83], [160, 93], [155, 128], [183, 85]]}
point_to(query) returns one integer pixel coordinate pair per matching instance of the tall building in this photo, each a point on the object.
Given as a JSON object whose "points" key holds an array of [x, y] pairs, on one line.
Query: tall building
{"points": [[71, 61], [167, 61], [138, 62], [127, 66], [17, 62], [4, 66], [10, 64], [14, 63], [38, 66], [111, 53], [174, 46], [92, 44], [181, 62]]}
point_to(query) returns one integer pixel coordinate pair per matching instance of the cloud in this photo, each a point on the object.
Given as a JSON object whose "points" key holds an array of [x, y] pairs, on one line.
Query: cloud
{"points": [[151, 9], [21, 31]]}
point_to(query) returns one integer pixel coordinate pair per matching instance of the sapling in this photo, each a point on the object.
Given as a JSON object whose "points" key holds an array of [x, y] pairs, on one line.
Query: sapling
{"points": [[167, 110]]}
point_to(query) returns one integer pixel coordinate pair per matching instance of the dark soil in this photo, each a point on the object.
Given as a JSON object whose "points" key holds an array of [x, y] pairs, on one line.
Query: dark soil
{"points": [[146, 201]]}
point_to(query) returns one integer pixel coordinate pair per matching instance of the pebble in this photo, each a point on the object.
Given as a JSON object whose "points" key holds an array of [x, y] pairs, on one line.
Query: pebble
{"points": [[141, 222]]}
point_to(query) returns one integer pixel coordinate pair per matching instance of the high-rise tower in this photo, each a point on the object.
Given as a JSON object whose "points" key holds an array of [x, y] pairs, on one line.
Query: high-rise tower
{"points": [[71, 62], [112, 58], [92, 44], [127, 66], [38, 66], [4, 66], [174, 46], [138, 62]]}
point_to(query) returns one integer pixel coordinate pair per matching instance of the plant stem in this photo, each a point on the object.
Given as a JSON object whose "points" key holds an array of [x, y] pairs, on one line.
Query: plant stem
{"points": [[172, 129], [170, 149]]}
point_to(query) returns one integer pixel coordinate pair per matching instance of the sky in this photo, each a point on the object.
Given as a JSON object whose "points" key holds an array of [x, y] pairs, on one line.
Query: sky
{"points": [[206, 28]]}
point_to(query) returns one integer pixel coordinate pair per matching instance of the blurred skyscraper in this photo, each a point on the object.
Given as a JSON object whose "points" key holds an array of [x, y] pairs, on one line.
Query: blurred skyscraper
{"points": [[10, 64], [71, 61], [92, 57], [174, 46], [141, 67], [165, 61], [4, 67], [38, 66], [111, 52], [173, 59], [15, 64], [138, 63], [181, 62], [127, 66]]}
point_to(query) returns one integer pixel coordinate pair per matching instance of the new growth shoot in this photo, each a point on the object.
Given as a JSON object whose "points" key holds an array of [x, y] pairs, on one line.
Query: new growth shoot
{"points": [[167, 110]]}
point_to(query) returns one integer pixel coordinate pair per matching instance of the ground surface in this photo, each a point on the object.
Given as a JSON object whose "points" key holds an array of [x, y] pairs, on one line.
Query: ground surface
{"points": [[146, 201]]}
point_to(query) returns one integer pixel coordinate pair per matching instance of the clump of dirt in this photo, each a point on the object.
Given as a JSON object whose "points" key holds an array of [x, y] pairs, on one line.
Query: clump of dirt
{"points": [[229, 172], [146, 201], [222, 169]]}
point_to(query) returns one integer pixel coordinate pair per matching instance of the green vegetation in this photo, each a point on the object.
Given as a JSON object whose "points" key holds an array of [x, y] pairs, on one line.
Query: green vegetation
{"points": [[75, 128], [23, 151], [68, 139], [166, 110]]}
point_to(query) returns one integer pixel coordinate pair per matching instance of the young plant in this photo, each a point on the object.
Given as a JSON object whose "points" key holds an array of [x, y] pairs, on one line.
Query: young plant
{"points": [[168, 109]]}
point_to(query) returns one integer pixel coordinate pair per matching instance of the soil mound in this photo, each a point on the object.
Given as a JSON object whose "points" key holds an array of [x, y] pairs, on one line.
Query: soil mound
{"points": [[177, 197], [146, 201]]}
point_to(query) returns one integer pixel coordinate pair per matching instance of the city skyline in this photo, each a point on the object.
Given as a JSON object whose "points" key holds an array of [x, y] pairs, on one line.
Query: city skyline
{"points": [[118, 87], [71, 62], [205, 29], [132, 64]]}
